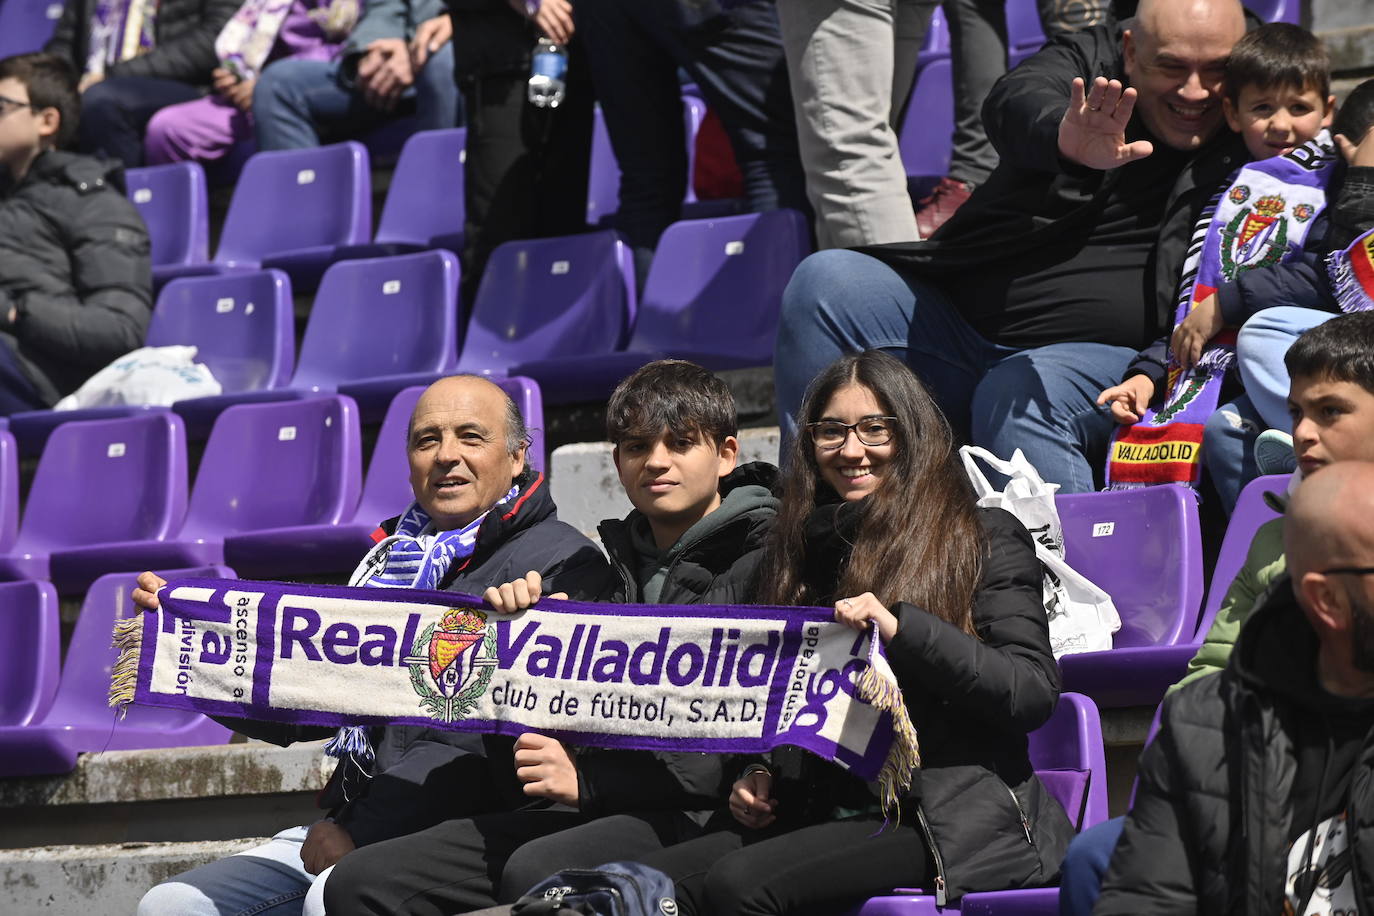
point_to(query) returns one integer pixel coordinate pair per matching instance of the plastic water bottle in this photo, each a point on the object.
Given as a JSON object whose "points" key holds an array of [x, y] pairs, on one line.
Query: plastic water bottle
{"points": [[548, 69]]}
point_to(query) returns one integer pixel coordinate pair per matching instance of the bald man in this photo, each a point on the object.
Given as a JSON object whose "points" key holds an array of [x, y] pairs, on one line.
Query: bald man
{"points": [[481, 517], [1257, 796], [1064, 263]]}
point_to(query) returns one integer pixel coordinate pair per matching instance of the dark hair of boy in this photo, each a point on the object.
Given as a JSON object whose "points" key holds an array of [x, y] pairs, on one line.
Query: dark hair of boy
{"points": [[675, 395], [1339, 350], [51, 82], [1278, 54], [1356, 114]]}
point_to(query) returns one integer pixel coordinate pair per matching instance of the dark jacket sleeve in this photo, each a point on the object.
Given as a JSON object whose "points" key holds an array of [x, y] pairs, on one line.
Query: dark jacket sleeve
{"points": [[616, 782], [190, 56], [1353, 213], [281, 734], [113, 297], [1007, 677], [1153, 361]]}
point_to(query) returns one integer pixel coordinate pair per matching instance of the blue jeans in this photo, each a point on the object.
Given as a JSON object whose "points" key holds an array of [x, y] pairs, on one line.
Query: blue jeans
{"points": [[1039, 400], [295, 99], [1085, 865], [115, 111], [267, 880], [1260, 348]]}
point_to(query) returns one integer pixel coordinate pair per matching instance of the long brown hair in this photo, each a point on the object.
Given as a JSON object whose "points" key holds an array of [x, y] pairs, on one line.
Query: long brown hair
{"points": [[920, 540]]}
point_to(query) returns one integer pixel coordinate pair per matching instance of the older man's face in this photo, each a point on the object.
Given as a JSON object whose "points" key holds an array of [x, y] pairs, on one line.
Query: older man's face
{"points": [[1176, 60], [459, 463]]}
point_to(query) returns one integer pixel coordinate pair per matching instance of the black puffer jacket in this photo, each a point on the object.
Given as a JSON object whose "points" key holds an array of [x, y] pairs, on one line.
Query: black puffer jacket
{"points": [[989, 822], [74, 263], [183, 41], [1210, 827]]}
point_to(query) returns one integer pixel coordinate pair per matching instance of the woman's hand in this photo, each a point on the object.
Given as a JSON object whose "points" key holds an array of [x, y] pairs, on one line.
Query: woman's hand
{"points": [[1129, 399], [518, 595], [145, 596], [749, 799], [857, 612]]}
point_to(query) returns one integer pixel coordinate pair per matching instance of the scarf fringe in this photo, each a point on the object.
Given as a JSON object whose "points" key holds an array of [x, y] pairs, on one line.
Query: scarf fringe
{"points": [[350, 741], [128, 639], [904, 757], [1350, 295]]}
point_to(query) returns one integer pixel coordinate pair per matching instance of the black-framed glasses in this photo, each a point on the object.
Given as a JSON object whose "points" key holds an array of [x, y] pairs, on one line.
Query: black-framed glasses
{"points": [[1349, 571], [831, 434], [8, 104]]}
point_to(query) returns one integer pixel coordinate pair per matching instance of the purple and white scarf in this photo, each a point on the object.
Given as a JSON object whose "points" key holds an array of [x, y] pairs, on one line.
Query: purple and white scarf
{"points": [[671, 677], [245, 43], [120, 30], [1352, 274]]}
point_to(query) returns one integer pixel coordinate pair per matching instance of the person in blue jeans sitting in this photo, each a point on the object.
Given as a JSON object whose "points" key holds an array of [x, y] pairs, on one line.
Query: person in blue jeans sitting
{"points": [[1038, 292], [399, 50]]}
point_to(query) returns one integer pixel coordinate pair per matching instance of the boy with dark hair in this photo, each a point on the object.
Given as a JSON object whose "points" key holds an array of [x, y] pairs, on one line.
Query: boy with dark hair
{"points": [[75, 277], [694, 537]]}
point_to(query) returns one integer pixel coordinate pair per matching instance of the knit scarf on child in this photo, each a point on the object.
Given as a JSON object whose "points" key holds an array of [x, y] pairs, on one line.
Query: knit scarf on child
{"points": [[246, 41], [120, 30], [1352, 274]]}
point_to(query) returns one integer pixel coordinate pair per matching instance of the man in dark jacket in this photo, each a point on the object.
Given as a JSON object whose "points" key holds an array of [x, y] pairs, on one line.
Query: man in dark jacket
{"points": [[75, 282], [135, 57], [1257, 796], [475, 493], [1064, 263]]}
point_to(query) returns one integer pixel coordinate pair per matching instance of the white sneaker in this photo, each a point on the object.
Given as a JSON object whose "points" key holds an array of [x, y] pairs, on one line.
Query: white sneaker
{"points": [[1274, 453]]}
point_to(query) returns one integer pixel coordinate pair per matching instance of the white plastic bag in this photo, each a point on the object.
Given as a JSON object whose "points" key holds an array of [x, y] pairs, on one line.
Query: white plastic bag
{"points": [[153, 376], [1082, 616]]}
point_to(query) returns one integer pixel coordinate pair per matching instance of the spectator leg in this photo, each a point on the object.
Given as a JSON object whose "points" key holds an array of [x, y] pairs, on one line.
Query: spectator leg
{"points": [[268, 880], [1085, 865], [841, 301], [1228, 449], [1042, 401], [438, 103], [294, 98], [978, 55], [115, 111], [843, 59], [453, 867], [202, 131], [1260, 347]]}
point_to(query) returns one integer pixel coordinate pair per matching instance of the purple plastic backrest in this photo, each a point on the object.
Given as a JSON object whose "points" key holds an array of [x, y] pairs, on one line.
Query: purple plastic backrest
{"points": [[1024, 32], [381, 316], [928, 125], [527, 396], [426, 194], [123, 479], [26, 25], [242, 325], [1250, 513], [715, 285], [276, 465], [1144, 548], [172, 201], [287, 200], [83, 694], [1276, 10], [551, 297], [9, 490], [937, 35], [30, 650], [1066, 747], [693, 113]]}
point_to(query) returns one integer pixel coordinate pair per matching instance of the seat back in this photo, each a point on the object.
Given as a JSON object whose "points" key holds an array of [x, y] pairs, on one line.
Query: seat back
{"points": [[1250, 513], [84, 690], [928, 125], [1276, 10], [1068, 755], [286, 200], [26, 25], [241, 324], [30, 650], [276, 465], [100, 481], [1144, 548], [425, 198], [172, 201], [551, 297], [381, 316], [715, 285], [1024, 33], [9, 490]]}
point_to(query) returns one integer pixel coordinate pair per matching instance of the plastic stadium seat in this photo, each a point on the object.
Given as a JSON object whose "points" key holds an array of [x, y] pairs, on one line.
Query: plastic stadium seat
{"points": [[30, 650], [1069, 758], [26, 25], [1276, 10], [103, 490], [712, 296], [1024, 33], [80, 719], [1252, 510], [928, 125], [172, 201], [9, 490]]}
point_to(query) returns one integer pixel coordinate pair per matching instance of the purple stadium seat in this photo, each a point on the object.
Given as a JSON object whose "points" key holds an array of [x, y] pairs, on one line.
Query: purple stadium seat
{"points": [[549, 297], [9, 490], [80, 719], [1144, 547], [1252, 511], [172, 201], [1276, 10], [1068, 756], [1024, 33], [924, 138], [104, 493], [26, 25], [30, 646], [712, 296]]}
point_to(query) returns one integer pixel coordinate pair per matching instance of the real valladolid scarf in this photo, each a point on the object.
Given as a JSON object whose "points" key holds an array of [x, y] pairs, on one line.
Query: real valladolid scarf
{"points": [[1352, 274], [687, 678], [246, 41], [1260, 218]]}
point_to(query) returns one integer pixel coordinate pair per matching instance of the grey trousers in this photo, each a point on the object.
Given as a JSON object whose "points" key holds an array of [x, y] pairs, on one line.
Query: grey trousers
{"points": [[851, 64]]}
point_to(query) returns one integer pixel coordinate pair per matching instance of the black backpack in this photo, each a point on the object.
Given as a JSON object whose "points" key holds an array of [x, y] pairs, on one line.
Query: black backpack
{"points": [[613, 889]]}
